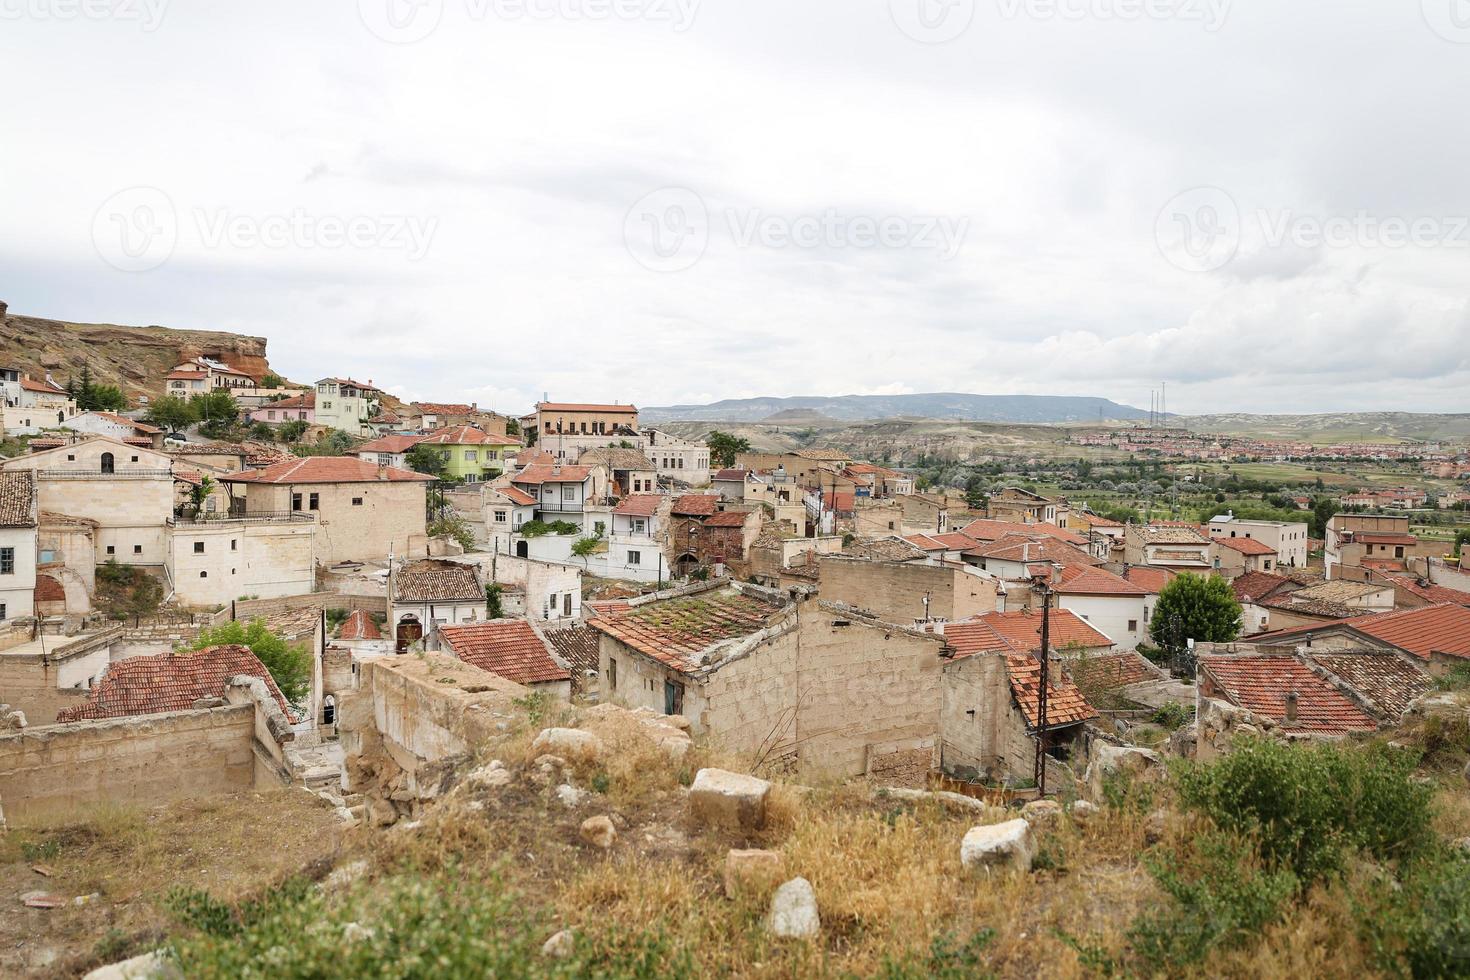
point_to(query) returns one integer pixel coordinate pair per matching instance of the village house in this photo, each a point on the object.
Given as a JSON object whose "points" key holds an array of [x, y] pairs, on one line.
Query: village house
{"points": [[1359, 540], [19, 520], [426, 595], [364, 511], [1109, 603], [877, 518], [470, 455], [1436, 637], [561, 492], [513, 649], [629, 470], [293, 408], [428, 416], [215, 558], [1176, 548], [387, 450], [818, 687], [203, 374], [37, 405], [811, 469], [1285, 540], [1023, 506], [1237, 556], [925, 513], [1253, 590], [504, 508], [677, 459], [1284, 689], [342, 403], [907, 592], [878, 482], [640, 525], [730, 483], [117, 427], [545, 591], [567, 429]]}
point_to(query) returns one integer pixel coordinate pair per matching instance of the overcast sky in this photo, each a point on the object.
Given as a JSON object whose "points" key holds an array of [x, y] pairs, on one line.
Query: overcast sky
{"points": [[1263, 203]]}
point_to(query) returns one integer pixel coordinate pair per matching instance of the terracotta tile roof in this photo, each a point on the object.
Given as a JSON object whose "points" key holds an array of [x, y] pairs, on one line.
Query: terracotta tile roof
{"points": [[1322, 608], [675, 632], [1261, 684], [151, 685], [439, 408], [925, 542], [18, 498], [975, 636], [578, 407], [359, 626], [539, 473], [365, 386], [1432, 629], [140, 441], [578, 645], [1386, 680], [122, 420], [467, 435], [1017, 548], [1246, 546], [1111, 670], [50, 443], [1170, 534], [884, 549], [1084, 580], [1095, 520], [187, 376], [326, 469], [1383, 537], [48, 589], [593, 608], [431, 580], [509, 648], [516, 495], [728, 518], [1427, 590], [987, 530], [389, 444], [730, 476], [1257, 586], [842, 501], [306, 400], [293, 624], [1065, 705], [528, 457], [616, 458], [1020, 632], [639, 505], [695, 505], [954, 540]]}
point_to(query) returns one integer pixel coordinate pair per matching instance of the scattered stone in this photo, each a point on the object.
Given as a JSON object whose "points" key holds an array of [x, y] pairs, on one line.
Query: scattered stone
{"points": [[1106, 759], [569, 742], [86, 899], [570, 796], [149, 966], [345, 875], [1156, 826], [1003, 846], [599, 832], [560, 945], [42, 900], [1042, 812], [381, 813], [42, 870], [1082, 811], [729, 799], [954, 800], [753, 870], [794, 911]]}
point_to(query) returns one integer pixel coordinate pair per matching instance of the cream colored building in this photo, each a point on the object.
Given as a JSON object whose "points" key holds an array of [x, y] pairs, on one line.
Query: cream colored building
{"points": [[342, 403], [18, 540], [567, 429], [364, 512], [677, 459], [217, 560], [1288, 539]]}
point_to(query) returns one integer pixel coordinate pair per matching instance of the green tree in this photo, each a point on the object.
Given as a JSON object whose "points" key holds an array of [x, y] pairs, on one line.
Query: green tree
{"points": [[289, 666], [1323, 510], [172, 413], [723, 447], [975, 493], [105, 398], [272, 380], [424, 458], [293, 430], [455, 527], [199, 493], [1195, 607], [512, 427], [217, 412]]}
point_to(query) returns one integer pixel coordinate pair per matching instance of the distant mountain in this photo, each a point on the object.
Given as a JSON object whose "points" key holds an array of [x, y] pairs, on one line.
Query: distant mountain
{"points": [[968, 408]]}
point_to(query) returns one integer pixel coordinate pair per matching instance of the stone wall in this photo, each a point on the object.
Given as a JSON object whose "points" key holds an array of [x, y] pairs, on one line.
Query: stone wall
{"points": [[895, 591]]}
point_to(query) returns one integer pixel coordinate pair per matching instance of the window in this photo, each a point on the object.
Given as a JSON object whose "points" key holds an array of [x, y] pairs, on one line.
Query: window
{"points": [[7, 561], [315, 502], [500, 517], [568, 492], [1133, 626], [295, 501], [639, 525], [111, 550], [471, 456], [137, 549], [357, 501], [198, 547], [204, 575], [635, 558], [612, 674], [234, 544], [566, 604], [132, 459], [109, 464]]}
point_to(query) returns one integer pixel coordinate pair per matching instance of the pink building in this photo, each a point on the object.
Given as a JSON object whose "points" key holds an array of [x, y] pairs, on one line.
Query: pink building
{"points": [[298, 408]]}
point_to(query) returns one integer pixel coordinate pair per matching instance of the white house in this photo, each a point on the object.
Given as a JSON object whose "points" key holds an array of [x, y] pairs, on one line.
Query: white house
{"points": [[342, 403], [561, 492], [677, 459], [116, 426], [18, 523], [426, 595], [1287, 538], [1110, 604]]}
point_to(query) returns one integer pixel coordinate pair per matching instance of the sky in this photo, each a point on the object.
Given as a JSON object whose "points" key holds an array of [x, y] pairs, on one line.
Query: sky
{"points": [[1261, 203]]}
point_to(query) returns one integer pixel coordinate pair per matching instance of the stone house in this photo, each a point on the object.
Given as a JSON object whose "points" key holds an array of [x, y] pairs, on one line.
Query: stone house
{"points": [[364, 512], [629, 470], [1176, 548], [567, 429], [1025, 507], [471, 455], [1237, 556], [907, 592], [37, 405], [427, 595], [513, 649], [1358, 540], [215, 559], [925, 513]]}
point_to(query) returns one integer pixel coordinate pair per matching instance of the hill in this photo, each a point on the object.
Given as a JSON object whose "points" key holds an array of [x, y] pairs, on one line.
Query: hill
{"points": [[945, 405], [133, 358], [1336, 426]]}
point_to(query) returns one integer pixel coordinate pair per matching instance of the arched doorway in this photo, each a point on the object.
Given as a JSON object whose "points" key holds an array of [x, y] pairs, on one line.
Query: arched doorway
{"points": [[109, 465], [685, 565], [409, 632]]}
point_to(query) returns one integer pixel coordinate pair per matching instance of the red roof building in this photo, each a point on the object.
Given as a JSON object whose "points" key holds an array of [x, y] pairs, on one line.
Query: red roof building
{"points": [[509, 648], [1264, 685], [151, 685]]}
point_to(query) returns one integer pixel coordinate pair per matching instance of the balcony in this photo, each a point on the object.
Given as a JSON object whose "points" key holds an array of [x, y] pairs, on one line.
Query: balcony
{"points": [[122, 473], [256, 517]]}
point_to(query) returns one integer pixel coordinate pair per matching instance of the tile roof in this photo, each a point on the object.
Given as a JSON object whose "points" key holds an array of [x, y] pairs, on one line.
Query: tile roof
{"points": [[440, 408], [1431, 629], [186, 376], [1386, 680], [677, 631], [1257, 586], [1383, 537], [578, 645], [639, 505], [1083, 580], [616, 458], [988, 530], [1111, 670], [884, 549], [579, 407], [730, 476], [1016, 548], [467, 435], [1246, 546], [365, 386], [509, 648], [728, 518], [305, 400], [1427, 590], [1169, 534], [389, 444], [122, 420], [539, 473], [1261, 683], [18, 498], [1323, 608], [1065, 705], [150, 685], [1020, 632], [326, 469], [516, 496], [695, 505], [359, 626], [432, 580]]}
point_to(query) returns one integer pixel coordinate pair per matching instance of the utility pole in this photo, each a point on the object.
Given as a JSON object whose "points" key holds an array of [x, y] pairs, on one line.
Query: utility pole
{"points": [[1043, 588]]}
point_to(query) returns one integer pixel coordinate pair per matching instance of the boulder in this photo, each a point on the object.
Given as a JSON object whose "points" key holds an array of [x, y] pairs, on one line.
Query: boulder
{"points": [[1007, 846], [570, 796], [751, 871], [1044, 812], [1082, 811], [729, 799], [571, 742], [148, 966], [599, 832], [559, 946], [1156, 826], [793, 912], [490, 776], [1106, 759]]}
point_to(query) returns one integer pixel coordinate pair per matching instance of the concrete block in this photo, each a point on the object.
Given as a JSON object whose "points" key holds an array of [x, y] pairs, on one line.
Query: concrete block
{"points": [[728, 799]]}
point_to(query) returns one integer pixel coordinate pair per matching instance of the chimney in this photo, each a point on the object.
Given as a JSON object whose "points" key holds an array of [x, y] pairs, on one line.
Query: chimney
{"points": [[383, 471], [1291, 702]]}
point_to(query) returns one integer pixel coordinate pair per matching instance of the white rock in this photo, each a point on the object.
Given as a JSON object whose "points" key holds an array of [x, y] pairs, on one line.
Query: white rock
{"points": [[490, 777], [1082, 810], [1042, 811], [599, 832], [148, 966], [1004, 846], [568, 741], [729, 799], [570, 796], [793, 912], [559, 945], [345, 875]]}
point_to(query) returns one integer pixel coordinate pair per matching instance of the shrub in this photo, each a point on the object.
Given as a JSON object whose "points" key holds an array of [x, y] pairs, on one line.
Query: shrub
{"points": [[1171, 717], [453, 527], [1424, 923], [1311, 805], [289, 666]]}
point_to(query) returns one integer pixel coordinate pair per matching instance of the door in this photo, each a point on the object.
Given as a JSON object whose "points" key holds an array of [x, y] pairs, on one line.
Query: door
{"points": [[673, 698], [410, 631], [523, 550], [108, 464]]}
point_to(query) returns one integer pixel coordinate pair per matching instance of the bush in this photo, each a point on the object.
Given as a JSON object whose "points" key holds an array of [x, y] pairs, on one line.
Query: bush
{"points": [[1312, 805], [453, 527], [1424, 923], [1171, 717], [289, 666]]}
